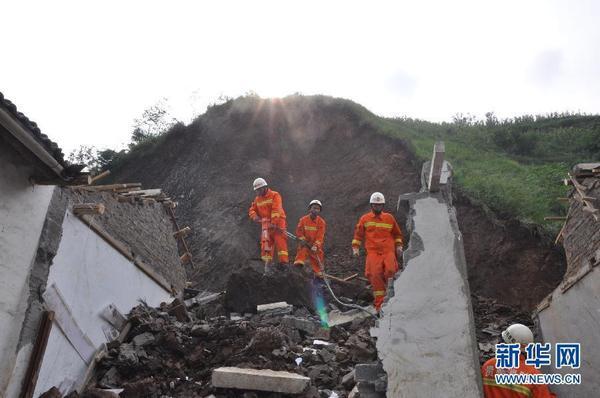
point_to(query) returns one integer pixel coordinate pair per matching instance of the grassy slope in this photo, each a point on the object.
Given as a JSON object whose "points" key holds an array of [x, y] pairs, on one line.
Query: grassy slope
{"points": [[520, 182]]}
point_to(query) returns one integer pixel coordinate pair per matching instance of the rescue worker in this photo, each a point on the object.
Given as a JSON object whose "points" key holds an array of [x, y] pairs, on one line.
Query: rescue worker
{"points": [[383, 241], [311, 234], [267, 209], [515, 333]]}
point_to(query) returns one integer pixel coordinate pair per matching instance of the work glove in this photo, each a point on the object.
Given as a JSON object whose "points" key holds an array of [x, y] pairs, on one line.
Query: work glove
{"points": [[314, 248], [399, 252], [355, 251]]}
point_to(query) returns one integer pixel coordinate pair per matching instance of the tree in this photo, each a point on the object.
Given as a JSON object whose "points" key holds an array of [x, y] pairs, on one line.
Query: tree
{"points": [[154, 121], [87, 155]]}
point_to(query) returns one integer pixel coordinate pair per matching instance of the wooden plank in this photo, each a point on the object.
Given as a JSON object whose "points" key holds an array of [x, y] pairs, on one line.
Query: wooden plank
{"points": [[145, 192], [88, 208], [554, 218], [110, 187], [37, 355], [350, 277], [437, 162], [182, 232], [68, 325], [99, 176]]}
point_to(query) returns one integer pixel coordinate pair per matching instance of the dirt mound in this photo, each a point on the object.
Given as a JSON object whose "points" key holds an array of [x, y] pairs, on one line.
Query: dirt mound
{"points": [[306, 148], [248, 288]]}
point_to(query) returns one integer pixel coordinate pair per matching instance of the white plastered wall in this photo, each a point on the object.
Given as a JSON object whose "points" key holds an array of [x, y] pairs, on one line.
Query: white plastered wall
{"points": [[90, 275], [23, 210]]}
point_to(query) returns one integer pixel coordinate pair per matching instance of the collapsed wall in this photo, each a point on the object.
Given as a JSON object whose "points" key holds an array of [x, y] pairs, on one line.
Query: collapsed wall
{"points": [[426, 337], [570, 313]]}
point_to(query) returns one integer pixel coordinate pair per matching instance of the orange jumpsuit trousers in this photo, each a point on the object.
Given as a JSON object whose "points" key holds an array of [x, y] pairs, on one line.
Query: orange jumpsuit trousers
{"points": [[269, 208], [313, 233], [381, 235]]}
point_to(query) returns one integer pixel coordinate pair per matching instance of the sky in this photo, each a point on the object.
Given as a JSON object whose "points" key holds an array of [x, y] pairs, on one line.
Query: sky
{"points": [[85, 70]]}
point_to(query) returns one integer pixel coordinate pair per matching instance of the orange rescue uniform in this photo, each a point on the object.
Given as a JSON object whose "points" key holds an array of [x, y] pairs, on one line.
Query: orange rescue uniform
{"points": [[313, 233], [493, 390], [381, 235], [269, 209]]}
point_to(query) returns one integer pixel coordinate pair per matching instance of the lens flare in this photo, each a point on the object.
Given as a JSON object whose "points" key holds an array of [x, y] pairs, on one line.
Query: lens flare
{"points": [[319, 302]]}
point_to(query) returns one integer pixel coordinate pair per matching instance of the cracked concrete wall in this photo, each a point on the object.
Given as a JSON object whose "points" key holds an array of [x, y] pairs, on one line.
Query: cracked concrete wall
{"points": [[573, 316], [23, 210], [426, 337]]}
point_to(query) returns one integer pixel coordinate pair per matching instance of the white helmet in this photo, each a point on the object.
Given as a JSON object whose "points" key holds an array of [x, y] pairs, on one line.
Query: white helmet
{"points": [[517, 333], [377, 198], [259, 183], [315, 202]]}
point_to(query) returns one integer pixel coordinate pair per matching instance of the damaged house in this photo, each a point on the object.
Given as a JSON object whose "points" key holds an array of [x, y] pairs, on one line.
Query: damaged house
{"points": [[74, 257]]}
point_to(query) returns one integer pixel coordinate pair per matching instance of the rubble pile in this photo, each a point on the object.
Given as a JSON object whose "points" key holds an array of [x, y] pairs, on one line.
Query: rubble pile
{"points": [[172, 351], [491, 318]]}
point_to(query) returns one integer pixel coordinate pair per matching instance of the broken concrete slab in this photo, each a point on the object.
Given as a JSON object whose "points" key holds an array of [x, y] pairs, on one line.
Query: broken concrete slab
{"points": [[260, 380], [271, 306], [202, 299], [336, 317], [426, 337], [279, 308]]}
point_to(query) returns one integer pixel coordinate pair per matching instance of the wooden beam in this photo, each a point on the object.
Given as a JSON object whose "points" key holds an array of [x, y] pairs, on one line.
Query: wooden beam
{"points": [[88, 208], [562, 199], [349, 278], [185, 258], [145, 192], [37, 355], [110, 187], [97, 177], [182, 232], [437, 162]]}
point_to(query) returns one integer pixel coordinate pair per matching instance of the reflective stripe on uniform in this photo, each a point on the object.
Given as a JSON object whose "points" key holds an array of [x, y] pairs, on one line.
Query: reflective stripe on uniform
{"points": [[299, 262], [378, 225], [266, 258], [399, 240], [356, 242], [264, 202], [282, 253], [513, 387], [310, 228], [274, 214], [378, 293]]}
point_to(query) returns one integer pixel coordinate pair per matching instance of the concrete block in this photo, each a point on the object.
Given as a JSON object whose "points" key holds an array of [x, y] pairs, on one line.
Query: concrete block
{"points": [[367, 372], [271, 306], [336, 318], [261, 380]]}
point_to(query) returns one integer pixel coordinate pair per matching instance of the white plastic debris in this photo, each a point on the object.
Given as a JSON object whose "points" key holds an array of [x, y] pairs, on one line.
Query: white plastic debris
{"points": [[298, 361]]}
